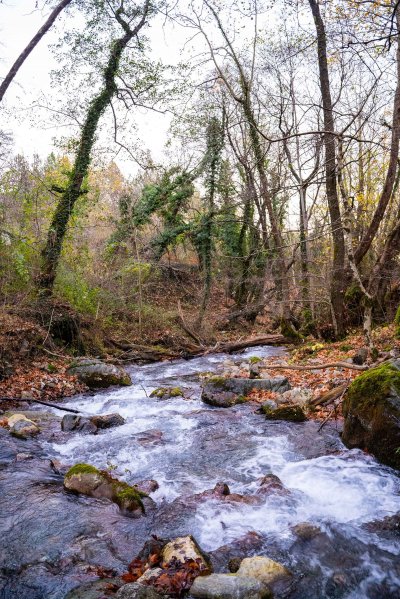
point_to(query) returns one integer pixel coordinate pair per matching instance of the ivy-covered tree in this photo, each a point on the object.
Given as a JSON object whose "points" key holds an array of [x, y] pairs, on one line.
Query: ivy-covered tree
{"points": [[125, 13]]}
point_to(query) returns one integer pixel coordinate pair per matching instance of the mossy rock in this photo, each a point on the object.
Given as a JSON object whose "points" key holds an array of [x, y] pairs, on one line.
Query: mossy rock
{"points": [[97, 374], [87, 480], [224, 392], [167, 392], [292, 413], [372, 413]]}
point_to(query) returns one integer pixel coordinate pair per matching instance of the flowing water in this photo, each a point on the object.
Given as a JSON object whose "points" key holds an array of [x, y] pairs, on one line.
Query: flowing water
{"points": [[52, 541]]}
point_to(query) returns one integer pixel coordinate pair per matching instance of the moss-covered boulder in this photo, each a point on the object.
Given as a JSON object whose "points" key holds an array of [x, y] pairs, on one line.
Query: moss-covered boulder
{"points": [[225, 392], [372, 413], [87, 480], [167, 392], [97, 374], [293, 413]]}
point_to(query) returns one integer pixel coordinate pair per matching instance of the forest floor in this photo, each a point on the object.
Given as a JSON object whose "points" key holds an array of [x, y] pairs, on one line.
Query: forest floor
{"points": [[28, 369]]}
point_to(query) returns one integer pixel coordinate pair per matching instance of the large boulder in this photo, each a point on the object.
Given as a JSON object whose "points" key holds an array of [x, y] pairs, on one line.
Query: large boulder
{"points": [[263, 569], [88, 480], [20, 426], [372, 413], [226, 392], [90, 424], [97, 374], [229, 586]]}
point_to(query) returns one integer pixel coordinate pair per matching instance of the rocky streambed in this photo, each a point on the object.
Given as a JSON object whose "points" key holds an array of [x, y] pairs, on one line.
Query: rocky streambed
{"points": [[297, 496]]}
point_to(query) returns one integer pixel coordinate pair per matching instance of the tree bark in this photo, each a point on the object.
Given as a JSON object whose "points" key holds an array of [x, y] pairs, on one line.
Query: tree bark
{"points": [[34, 41], [338, 265], [52, 250]]}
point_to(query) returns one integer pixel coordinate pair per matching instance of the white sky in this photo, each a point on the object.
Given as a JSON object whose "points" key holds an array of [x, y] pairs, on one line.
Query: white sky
{"points": [[19, 21]]}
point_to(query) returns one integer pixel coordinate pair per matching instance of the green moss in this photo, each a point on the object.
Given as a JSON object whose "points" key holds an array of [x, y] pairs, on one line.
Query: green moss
{"points": [[291, 413], [82, 469], [125, 495], [241, 399], [288, 330], [397, 323], [345, 347], [165, 392], [372, 386], [217, 381], [254, 360]]}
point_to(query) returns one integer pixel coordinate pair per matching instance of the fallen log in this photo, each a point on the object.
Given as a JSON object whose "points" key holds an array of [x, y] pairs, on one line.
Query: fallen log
{"points": [[272, 339], [348, 365], [43, 403], [330, 396]]}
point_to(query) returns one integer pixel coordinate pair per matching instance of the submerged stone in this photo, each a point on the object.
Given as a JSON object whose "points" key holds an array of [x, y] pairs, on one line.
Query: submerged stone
{"points": [[372, 413]]}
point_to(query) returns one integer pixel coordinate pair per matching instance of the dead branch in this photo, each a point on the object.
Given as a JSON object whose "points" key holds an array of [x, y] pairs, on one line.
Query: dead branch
{"points": [[43, 403]]}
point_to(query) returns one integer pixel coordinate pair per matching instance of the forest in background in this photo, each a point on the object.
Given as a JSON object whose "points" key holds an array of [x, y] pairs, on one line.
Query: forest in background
{"points": [[277, 202]]}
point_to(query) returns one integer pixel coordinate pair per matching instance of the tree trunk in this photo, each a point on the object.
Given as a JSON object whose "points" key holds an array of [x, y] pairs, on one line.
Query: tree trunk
{"points": [[52, 250], [34, 41], [338, 265]]}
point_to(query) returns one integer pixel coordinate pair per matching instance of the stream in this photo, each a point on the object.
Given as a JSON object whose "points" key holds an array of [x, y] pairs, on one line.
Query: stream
{"points": [[52, 541]]}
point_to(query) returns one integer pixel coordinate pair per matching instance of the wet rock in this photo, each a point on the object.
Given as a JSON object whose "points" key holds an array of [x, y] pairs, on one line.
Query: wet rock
{"points": [[22, 457], [135, 590], [167, 392], [88, 480], [270, 484], [58, 467], [108, 420], [237, 549], [306, 531], [90, 424], [297, 396], [226, 392], [263, 569], [229, 586], [93, 590], [150, 437], [75, 423], [97, 374], [389, 524], [291, 413], [153, 546], [372, 413], [147, 486], [185, 548], [234, 564], [221, 490], [20, 426]]}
